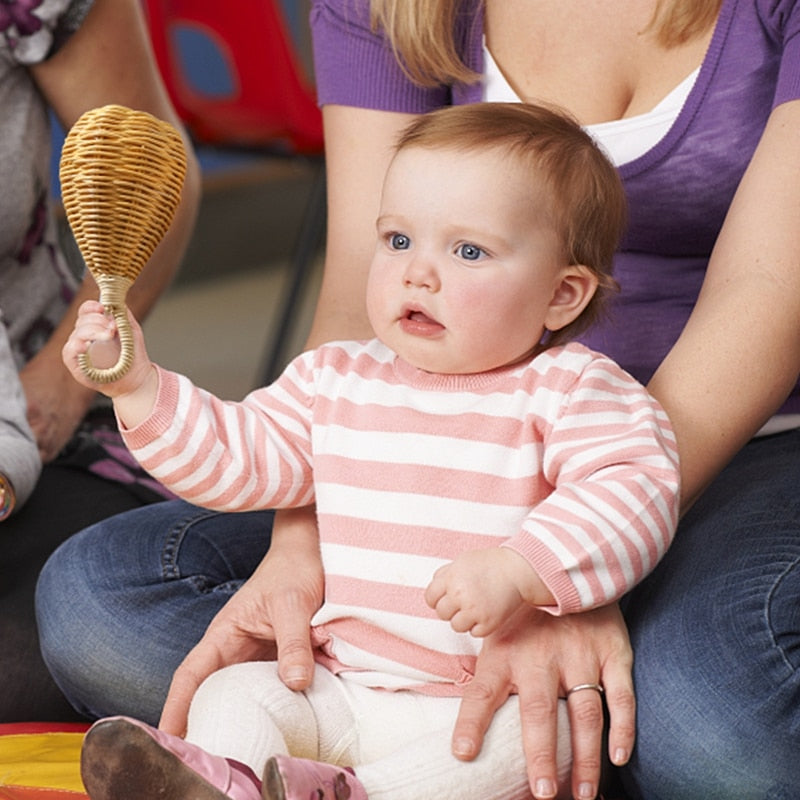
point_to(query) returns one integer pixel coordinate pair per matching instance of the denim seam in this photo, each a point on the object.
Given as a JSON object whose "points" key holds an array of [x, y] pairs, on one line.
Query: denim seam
{"points": [[169, 554], [787, 663]]}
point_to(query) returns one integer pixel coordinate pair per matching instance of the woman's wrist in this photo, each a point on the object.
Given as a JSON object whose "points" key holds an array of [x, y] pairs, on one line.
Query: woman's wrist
{"points": [[8, 497]]}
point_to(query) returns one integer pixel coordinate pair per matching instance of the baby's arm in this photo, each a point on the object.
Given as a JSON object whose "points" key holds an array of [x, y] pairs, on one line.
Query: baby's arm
{"points": [[134, 394], [480, 589]]}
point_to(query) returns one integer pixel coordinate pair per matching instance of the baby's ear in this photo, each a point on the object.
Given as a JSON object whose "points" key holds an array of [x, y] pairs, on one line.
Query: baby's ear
{"points": [[574, 288]]}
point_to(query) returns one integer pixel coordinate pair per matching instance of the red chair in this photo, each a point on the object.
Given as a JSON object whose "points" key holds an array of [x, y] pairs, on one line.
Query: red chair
{"points": [[235, 76]]}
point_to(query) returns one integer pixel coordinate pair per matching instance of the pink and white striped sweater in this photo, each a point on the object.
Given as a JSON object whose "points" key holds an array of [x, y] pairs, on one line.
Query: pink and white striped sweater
{"points": [[566, 459]]}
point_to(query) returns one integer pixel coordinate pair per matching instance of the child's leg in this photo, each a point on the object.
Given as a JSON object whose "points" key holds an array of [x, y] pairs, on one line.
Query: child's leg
{"points": [[239, 717], [424, 767], [245, 712], [403, 753]]}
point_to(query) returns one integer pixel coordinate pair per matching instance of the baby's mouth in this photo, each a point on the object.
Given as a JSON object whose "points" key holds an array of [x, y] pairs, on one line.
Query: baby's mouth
{"points": [[420, 316], [418, 323]]}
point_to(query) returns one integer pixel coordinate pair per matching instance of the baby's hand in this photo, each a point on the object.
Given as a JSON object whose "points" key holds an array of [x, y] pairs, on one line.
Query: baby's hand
{"points": [[96, 330], [480, 589]]}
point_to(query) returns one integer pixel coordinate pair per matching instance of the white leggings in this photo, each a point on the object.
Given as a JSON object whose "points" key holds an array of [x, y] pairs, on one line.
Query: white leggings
{"points": [[397, 742]]}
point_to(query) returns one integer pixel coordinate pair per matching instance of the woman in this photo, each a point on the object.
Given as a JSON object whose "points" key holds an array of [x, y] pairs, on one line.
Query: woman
{"points": [[707, 316], [61, 57]]}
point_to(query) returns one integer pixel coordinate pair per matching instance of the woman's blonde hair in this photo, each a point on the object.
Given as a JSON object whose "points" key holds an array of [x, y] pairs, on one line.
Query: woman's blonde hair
{"points": [[587, 200], [423, 33], [678, 21]]}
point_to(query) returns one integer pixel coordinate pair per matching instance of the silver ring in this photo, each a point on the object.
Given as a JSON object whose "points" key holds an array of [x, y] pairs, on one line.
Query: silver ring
{"points": [[581, 686]]}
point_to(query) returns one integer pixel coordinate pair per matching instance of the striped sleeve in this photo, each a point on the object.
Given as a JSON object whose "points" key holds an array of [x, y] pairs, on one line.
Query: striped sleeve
{"points": [[230, 456], [612, 457]]}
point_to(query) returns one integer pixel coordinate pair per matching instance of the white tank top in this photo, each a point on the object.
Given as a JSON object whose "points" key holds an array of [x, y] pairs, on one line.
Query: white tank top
{"points": [[624, 139]]}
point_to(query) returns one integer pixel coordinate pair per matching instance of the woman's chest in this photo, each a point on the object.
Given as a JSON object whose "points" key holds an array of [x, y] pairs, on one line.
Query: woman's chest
{"points": [[601, 61]]}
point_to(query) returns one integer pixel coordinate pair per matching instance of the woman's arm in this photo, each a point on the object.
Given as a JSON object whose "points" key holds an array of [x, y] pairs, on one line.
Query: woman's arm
{"points": [[358, 147], [739, 354], [107, 60]]}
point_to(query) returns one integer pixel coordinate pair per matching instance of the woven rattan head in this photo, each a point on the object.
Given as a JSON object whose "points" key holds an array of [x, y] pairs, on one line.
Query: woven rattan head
{"points": [[121, 176]]}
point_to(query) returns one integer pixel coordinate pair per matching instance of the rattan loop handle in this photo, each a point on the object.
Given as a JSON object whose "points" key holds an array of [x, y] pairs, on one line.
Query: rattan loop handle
{"points": [[113, 289]]}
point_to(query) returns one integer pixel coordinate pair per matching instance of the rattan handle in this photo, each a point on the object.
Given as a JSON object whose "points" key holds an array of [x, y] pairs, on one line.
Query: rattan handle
{"points": [[121, 175], [113, 289]]}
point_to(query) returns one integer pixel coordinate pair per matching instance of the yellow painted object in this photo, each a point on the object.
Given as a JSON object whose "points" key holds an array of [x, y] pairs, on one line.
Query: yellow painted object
{"points": [[40, 764]]}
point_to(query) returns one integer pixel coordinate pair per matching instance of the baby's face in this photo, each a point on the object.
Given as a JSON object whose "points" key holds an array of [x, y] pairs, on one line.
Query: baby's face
{"points": [[467, 261]]}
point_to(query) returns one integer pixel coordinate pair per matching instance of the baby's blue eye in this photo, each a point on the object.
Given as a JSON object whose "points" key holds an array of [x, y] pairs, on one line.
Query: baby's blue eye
{"points": [[399, 241], [470, 252]]}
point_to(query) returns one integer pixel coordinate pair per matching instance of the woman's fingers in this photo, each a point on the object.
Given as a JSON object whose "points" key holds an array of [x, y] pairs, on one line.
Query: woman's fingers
{"points": [[483, 695], [621, 702], [585, 710], [540, 658], [291, 617]]}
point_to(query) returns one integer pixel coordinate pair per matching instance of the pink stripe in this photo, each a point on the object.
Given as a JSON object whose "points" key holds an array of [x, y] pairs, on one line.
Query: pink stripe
{"points": [[184, 447], [397, 538], [477, 427], [456, 669], [559, 470], [420, 479], [393, 598]]}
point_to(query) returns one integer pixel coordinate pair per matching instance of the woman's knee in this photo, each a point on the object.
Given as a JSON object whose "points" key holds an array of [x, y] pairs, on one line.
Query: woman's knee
{"points": [[716, 637], [65, 599], [121, 603]]}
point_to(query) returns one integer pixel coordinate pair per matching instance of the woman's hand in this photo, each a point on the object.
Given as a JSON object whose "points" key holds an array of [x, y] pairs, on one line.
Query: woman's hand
{"points": [[56, 404], [269, 615], [541, 657]]}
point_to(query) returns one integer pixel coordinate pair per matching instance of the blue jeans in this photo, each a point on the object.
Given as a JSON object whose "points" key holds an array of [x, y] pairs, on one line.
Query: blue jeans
{"points": [[716, 639], [716, 627], [120, 604]]}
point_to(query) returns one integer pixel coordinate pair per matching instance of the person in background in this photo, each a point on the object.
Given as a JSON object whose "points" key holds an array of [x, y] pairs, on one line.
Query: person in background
{"points": [[461, 470], [59, 57], [20, 464], [698, 104]]}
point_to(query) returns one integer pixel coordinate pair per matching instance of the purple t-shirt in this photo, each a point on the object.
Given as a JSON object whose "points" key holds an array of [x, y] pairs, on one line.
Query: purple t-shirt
{"points": [[678, 191]]}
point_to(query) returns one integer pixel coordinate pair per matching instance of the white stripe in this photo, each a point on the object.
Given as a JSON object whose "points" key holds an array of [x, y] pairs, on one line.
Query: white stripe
{"points": [[394, 569], [374, 391], [432, 451]]}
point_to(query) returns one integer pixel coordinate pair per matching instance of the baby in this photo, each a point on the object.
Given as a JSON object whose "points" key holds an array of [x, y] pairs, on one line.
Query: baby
{"points": [[468, 462]]}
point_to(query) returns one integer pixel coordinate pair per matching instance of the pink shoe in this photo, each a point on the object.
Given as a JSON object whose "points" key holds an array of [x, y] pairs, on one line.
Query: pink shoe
{"points": [[124, 759], [288, 778]]}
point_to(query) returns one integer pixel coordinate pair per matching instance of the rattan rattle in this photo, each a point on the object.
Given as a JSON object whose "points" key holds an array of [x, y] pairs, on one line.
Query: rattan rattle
{"points": [[121, 176]]}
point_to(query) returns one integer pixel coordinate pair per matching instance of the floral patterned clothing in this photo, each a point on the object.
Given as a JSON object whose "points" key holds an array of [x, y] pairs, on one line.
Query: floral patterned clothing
{"points": [[36, 280]]}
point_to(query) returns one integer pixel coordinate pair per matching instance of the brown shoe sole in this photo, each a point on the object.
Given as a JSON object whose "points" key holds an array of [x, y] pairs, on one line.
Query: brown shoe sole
{"points": [[119, 761], [272, 787]]}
